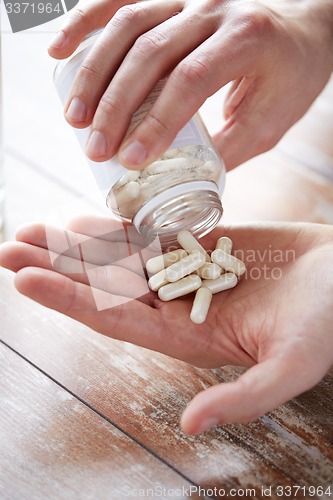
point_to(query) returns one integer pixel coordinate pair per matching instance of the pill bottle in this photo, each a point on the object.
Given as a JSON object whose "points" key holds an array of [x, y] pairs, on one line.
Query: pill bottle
{"points": [[181, 190]]}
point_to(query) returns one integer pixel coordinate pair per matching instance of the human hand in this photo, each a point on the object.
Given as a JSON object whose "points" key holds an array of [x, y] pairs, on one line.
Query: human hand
{"points": [[277, 321], [278, 55]]}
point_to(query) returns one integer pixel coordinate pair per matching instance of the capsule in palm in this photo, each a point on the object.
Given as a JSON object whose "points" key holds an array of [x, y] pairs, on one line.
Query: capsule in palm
{"points": [[228, 262], [224, 282], [156, 264], [224, 243], [180, 288], [190, 244], [201, 304], [185, 266], [157, 280], [209, 271]]}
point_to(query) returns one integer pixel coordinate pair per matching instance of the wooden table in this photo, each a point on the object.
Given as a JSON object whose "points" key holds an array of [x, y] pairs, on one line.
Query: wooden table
{"points": [[86, 417]]}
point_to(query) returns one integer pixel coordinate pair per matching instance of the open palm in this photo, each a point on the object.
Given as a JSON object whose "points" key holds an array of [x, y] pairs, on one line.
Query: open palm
{"points": [[277, 321]]}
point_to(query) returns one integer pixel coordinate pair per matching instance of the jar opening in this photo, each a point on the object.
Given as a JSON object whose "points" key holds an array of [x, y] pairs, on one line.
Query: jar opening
{"points": [[197, 210]]}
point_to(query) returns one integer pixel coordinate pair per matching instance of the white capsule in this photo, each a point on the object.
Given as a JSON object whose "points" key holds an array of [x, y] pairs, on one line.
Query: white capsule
{"points": [[132, 175], [210, 169], [209, 271], [152, 179], [224, 244], [182, 287], [158, 280], [224, 282], [122, 181], [165, 166], [127, 193], [156, 264], [185, 266], [228, 262], [201, 303], [190, 244]]}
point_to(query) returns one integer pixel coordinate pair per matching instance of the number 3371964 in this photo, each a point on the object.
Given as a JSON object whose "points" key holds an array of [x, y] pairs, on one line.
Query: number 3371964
{"points": [[32, 8]]}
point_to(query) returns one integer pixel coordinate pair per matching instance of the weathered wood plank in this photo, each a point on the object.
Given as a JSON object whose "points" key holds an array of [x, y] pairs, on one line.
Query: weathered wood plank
{"points": [[144, 393], [53, 446]]}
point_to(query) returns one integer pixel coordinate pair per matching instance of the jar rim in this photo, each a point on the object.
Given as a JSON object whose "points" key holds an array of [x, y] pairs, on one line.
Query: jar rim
{"points": [[197, 210], [170, 194]]}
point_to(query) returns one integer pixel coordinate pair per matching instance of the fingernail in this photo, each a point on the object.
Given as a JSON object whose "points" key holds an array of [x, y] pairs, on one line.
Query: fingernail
{"points": [[134, 154], [208, 424], [58, 41], [96, 145], [77, 110]]}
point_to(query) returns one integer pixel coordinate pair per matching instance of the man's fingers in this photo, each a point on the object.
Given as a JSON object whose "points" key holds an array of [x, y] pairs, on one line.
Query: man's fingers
{"points": [[79, 230], [117, 48], [93, 240], [125, 277], [261, 389], [112, 315], [107, 228], [196, 77], [52, 238], [84, 19], [159, 42], [16, 255]]}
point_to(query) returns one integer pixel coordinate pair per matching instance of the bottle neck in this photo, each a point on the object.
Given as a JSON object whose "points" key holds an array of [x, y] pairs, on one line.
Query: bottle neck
{"points": [[197, 210]]}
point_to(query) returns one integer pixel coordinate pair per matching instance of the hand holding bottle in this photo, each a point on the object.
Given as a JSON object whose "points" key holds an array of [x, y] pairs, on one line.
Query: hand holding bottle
{"points": [[277, 54]]}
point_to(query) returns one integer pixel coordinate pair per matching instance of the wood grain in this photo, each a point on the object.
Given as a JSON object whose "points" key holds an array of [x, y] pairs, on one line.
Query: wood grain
{"points": [[92, 414], [144, 394], [54, 446]]}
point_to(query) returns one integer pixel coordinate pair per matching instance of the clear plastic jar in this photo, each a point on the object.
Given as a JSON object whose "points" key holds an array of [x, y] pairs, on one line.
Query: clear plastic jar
{"points": [[179, 191]]}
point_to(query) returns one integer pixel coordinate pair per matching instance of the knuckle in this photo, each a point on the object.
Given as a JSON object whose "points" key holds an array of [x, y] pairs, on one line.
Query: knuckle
{"points": [[192, 72], [89, 72], [157, 125], [79, 15], [126, 16], [149, 43], [109, 105], [256, 23]]}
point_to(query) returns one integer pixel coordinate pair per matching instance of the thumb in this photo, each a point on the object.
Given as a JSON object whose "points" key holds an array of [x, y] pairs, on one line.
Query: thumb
{"points": [[262, 388]]}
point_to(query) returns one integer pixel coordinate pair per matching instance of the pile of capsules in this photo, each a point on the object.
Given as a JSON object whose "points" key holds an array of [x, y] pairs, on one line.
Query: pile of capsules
{"points": [[138, 186], [191, 269]]}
